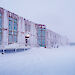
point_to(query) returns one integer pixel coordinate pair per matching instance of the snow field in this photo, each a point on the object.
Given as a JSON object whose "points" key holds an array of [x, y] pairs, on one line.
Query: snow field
{"points": [[39, 61]]}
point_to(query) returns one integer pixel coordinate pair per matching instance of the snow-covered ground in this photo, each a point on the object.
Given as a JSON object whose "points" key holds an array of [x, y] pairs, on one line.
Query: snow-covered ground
{"points": [[39, 61]]}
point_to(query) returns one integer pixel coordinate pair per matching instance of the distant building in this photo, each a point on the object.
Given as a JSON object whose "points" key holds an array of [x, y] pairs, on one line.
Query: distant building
{"points": [[16, 29]]}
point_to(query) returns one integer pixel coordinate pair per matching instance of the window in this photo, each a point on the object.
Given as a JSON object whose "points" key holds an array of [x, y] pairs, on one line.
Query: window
{"points": [[15, 38], [41, 35], [10, 25], [15, 33], [12, 30], [43, 38], [10, 39], [0, 22], [43, 42], [39, 32], [39, 42], [15, 26], [0, 14], [0, 28], [0, 37], [15, 30]]}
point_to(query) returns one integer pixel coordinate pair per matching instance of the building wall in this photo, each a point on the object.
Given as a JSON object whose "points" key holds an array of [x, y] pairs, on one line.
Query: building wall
{"points": [[5, 28], [33, 35], [41, 34], [21, 31], [15, 28], [1, 26], [54, 40]]}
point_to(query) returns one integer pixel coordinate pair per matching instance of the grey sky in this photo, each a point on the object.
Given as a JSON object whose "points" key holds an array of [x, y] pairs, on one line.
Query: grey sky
{"points": [[58, 15]]}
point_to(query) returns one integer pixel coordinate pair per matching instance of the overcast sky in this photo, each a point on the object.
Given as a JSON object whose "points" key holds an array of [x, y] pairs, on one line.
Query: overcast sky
{"points": [[57, 15]]}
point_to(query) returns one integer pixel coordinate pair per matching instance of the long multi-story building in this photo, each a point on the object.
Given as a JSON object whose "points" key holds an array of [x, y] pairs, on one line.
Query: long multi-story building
{"points": [[16, 29]]}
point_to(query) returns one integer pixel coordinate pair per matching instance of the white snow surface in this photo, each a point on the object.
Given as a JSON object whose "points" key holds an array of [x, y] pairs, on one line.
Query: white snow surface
{"points": [[39, 61], [14, 45]]}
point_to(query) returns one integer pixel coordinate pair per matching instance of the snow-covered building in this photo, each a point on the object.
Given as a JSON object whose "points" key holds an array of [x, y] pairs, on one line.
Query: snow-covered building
{"points": [[16, 29], [54, 40]]}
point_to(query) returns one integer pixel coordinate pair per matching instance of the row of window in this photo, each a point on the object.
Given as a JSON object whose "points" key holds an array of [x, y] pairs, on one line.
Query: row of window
{"points": [[13, 27], [12, 30], [41, 36]]}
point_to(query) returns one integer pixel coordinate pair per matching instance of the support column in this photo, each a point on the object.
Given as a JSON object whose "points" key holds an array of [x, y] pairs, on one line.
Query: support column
{"points": [[5, 28]]}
